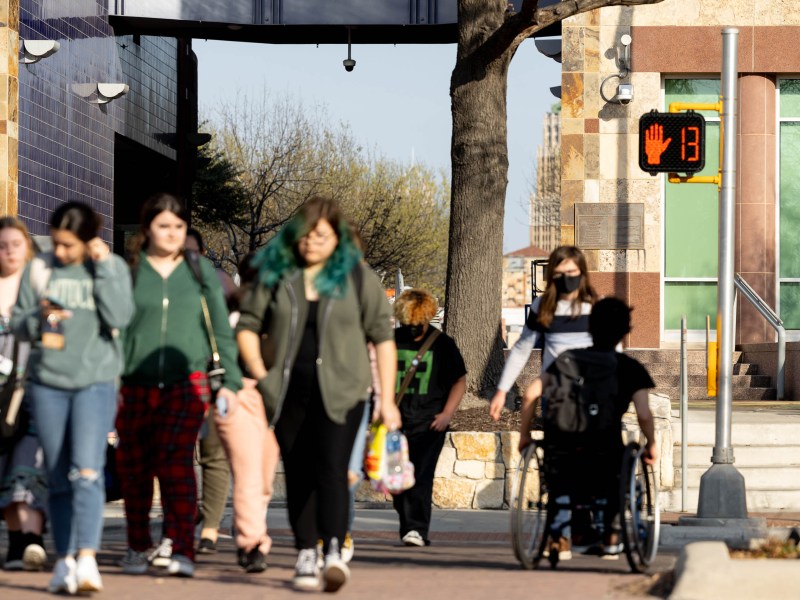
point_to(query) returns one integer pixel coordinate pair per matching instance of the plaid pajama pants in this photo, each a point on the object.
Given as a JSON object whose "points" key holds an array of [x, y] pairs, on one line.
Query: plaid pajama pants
{"points": [[157, 431]]}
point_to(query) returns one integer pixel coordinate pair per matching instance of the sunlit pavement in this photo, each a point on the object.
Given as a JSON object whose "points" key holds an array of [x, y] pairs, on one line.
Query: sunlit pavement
{"points": [[470, 557]]}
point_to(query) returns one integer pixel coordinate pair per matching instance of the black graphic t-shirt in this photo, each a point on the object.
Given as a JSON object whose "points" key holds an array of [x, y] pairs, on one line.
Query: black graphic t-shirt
{"points": [[440, 367]]}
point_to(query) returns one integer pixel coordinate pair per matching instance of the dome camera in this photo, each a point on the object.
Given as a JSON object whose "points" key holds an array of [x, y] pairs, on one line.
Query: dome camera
{"points": [[624, 93], [349, 64]]}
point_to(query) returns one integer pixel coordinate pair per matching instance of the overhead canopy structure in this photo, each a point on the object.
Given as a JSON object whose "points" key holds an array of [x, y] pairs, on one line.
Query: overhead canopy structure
{"points": [[297, 21]]}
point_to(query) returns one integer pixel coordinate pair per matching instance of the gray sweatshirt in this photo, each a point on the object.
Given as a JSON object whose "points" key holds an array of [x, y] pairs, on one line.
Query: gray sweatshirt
{"points": [[101, 301]]}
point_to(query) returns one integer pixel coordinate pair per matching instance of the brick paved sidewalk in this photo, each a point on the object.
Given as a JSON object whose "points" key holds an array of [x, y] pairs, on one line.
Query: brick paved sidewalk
{"points": [[470, 558]]}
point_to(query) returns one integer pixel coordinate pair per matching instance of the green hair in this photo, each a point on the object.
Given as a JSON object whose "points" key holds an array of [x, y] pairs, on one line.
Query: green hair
{"points": [[280, 257]]}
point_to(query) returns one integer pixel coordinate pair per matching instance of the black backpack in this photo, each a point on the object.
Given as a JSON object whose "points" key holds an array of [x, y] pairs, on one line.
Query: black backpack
{"points": [[581, 395]]}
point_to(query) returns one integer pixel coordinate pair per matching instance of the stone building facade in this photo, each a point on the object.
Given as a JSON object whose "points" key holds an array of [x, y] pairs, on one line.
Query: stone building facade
{"points": [[675, 55]]}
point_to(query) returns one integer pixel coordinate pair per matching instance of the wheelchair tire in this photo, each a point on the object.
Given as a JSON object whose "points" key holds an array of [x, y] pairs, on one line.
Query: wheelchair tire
{"points": [[529, 508], [639, 509]]}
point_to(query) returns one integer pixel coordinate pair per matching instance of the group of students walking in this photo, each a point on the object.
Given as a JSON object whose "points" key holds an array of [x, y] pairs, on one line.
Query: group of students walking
{"points": [[152, 350], [126, 348]]}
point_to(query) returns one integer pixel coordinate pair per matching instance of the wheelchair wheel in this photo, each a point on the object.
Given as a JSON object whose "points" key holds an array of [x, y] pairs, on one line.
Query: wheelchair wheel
{"points": [[639, 509], [529, 508]]}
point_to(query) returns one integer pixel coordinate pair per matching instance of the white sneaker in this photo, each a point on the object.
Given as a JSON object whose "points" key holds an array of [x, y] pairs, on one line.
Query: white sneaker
{"points": [[335, 572], [134, 563], [63, 580], [348, 548], [181, 566], [87, 575], [306, 571], [413, 538], [33, 558], [161, 555], [612, 551]]}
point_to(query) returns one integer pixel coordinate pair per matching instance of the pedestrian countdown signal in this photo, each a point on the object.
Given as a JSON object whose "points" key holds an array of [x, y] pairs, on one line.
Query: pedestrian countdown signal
{"points": [[672, 142]]}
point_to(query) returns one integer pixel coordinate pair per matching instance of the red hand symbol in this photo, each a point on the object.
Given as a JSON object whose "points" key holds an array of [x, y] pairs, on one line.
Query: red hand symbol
{"points": [[655, 144]]}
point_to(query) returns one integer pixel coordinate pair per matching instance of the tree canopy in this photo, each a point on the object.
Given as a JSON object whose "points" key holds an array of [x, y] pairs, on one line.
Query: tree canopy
{"points": [[268, 156]]}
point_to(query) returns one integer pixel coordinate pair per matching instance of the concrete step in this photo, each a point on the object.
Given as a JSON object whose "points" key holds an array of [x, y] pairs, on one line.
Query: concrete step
{"points": [[759, 429], [745, 456], [755, 478], [738, 381], [701, 393], [648, 356], [757, 500]]}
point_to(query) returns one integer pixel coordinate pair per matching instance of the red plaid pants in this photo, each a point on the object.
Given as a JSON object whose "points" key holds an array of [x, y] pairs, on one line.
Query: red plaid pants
{"points": [[157, 431]]}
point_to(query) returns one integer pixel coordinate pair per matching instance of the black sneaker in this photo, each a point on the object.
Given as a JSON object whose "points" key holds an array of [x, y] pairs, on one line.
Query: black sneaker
{"points": [[252, 562], [207, 546]]}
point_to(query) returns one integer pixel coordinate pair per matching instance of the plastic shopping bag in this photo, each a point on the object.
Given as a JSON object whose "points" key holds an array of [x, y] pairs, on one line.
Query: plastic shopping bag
{"points": [[387, 464]]}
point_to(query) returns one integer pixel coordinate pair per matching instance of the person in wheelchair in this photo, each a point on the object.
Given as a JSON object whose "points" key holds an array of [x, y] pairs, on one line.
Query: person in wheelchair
{"points": [[586, 393]]}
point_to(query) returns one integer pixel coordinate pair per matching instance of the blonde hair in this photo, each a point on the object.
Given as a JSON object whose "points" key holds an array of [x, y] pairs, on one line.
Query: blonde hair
{"points": [[415, 307], [14, 223]]}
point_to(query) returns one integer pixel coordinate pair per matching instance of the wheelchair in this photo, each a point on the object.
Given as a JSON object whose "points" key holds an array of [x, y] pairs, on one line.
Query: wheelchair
{"points": [[533, 509]]}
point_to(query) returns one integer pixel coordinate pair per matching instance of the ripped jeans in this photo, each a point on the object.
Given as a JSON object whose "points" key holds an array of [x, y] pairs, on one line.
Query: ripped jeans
{"points": [[73, 426]]}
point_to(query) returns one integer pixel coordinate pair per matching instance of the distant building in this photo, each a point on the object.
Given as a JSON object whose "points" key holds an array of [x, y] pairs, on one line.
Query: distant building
{"points": [[517, 275], [545, 208]]}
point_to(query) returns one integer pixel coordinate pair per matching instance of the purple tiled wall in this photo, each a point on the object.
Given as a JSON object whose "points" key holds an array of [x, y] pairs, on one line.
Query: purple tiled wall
{"points": [[66, 143]]}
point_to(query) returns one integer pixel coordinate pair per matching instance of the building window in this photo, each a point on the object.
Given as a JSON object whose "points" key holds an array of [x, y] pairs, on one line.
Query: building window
{"points": [[691, 217], [789, 203]]}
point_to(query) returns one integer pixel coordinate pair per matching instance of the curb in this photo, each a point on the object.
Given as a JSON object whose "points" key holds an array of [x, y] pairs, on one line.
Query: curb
{"points": [[705, 571]]}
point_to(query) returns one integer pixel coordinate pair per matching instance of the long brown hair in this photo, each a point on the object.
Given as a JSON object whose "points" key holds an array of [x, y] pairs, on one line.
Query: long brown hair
{"points": [[154, 206], [586, 293]]}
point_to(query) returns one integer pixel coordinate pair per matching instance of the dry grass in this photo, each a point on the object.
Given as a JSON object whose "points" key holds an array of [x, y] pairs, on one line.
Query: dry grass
{"points": [[770, 549]]}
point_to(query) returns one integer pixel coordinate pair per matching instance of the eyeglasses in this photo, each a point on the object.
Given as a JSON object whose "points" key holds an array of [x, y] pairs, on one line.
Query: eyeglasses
{"points": [[316, 237]]}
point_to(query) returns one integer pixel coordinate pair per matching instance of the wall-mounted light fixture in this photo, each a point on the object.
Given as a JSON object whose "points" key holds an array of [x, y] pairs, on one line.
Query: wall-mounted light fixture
{"points": [[35, 50], [100, 93], [349, 63], [624, 93]]}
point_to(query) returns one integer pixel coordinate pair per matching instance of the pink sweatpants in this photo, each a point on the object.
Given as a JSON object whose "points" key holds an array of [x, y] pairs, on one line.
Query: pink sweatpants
{"points": [[253, 454]]}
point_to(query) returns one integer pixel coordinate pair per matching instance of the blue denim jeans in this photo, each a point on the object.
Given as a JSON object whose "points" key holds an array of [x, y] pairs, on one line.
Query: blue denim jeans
{"points": [[73, 426], [357, 462]]}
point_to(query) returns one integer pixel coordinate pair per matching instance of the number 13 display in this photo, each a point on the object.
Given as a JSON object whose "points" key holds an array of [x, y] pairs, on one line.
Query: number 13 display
{"points": [[672, 142]]}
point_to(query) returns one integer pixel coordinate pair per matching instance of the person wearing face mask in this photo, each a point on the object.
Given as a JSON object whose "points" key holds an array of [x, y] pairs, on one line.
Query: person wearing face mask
{"points": [[427, 406], [561, 316]]}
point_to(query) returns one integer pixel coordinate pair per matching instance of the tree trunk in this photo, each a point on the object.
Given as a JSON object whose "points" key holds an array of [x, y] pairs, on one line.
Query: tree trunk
{"points": [[479, 153]]}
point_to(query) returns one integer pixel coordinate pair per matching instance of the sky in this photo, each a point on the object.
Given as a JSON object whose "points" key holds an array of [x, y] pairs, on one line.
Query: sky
{"points": [[396, 100]]}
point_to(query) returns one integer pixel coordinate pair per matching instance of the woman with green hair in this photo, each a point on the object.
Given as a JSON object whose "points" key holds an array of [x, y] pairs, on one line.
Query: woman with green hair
{"points": [[316, 305]]}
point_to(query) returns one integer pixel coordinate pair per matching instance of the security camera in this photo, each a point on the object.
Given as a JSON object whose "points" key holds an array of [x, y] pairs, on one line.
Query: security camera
{"points": [[624, 93], [349, 64]]}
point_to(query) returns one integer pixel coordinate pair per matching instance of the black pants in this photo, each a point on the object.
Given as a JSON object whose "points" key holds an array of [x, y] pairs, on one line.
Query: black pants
{"points": [[414, 505], [316, 452]]}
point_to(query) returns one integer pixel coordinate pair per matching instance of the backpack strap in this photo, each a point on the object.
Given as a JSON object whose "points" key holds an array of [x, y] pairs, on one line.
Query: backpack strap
{"points": [[412, 370]]}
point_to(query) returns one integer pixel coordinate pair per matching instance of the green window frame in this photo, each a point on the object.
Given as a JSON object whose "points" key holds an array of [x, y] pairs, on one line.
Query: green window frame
{"points": [[789, 203], [691, 216]]}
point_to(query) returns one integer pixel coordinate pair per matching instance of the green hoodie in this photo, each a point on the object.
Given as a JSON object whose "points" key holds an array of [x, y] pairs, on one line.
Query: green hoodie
{"points": [[167, 339], [99, 296]]}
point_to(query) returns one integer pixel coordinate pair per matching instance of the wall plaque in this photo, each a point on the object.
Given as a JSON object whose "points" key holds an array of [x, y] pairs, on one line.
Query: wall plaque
{"points": [[609, 226]]}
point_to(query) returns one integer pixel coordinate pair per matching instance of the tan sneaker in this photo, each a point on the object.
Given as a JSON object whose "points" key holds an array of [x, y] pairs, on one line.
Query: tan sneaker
{"points": [[562, 546]]}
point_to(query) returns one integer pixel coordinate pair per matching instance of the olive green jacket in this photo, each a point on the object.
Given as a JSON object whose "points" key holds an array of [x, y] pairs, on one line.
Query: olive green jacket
{"points": [[344, 326]]}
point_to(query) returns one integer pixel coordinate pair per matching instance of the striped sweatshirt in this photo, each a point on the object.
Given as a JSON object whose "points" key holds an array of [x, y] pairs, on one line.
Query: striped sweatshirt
{"points": [[564, 333]]}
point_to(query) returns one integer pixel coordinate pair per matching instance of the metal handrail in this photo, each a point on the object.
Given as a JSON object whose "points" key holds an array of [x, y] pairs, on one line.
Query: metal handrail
{"points": [[684, 390], [774, 320]]}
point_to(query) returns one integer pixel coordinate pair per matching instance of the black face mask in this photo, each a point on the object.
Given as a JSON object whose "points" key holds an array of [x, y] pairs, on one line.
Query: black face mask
{"points": [[567, 284], [416, 330]]}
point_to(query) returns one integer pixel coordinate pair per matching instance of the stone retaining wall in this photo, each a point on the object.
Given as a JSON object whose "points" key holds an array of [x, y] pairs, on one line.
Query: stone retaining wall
{"points": [[475, 470]]}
